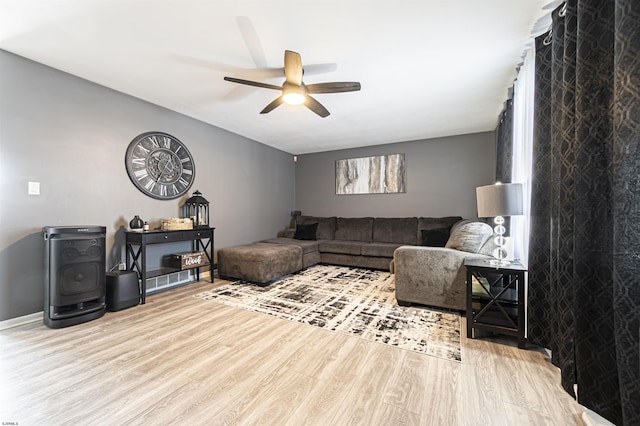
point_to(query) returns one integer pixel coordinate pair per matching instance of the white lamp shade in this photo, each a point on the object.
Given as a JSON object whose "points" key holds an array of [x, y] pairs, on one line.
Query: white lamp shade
{"points": [[499, 200]]}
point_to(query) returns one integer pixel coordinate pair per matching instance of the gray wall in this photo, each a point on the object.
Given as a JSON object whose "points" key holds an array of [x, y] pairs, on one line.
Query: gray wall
{"points": [[442, 175], [71, 135]]}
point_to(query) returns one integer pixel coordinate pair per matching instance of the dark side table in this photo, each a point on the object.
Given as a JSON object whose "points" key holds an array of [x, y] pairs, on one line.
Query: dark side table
{"points": [[495, 298]]}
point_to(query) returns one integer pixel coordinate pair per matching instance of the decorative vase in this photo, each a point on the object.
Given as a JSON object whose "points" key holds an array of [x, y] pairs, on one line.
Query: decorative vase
{"points": [[136, 223]]}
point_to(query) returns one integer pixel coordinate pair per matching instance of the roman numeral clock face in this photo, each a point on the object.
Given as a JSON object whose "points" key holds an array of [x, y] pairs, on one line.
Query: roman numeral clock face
{"points": [[160, 165]]}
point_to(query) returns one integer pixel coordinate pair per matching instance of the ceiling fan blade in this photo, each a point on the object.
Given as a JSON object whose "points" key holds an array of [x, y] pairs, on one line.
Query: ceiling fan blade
{"points": [[316, 107], [253, 83], [334, 87], [254, 73], [293, 67], [273, 105], [319, 68], [312, 69], [252, 41]]}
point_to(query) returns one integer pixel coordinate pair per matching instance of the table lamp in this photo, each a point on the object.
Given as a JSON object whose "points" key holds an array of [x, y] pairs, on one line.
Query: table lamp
{"points": [[497, 201]]}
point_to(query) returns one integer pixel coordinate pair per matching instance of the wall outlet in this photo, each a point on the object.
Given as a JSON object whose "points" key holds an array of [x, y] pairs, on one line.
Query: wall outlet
{"points": [[34, 188]]}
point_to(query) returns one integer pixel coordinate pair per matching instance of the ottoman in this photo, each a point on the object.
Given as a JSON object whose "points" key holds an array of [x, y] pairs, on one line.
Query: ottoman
{"points": [[259, 262]]}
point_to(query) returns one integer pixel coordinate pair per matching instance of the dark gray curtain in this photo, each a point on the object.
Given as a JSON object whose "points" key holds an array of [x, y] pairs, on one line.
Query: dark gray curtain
{"points": [[504, 151], [540, 307], [584, 280], [504, 143]]}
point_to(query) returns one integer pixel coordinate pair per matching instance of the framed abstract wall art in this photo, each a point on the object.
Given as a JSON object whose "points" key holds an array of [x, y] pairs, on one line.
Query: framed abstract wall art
{"points": [[382, 174]]}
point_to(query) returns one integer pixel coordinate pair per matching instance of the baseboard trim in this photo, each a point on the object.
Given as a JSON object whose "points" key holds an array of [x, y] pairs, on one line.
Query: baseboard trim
{"points": [[16, 322]]}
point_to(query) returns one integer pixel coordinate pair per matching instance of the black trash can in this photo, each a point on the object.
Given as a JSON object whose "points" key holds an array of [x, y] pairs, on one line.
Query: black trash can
{"points": [[123, 290]]}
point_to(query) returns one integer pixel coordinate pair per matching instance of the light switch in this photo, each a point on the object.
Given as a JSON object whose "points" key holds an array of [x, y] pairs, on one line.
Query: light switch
{"points": [[34, 188]]}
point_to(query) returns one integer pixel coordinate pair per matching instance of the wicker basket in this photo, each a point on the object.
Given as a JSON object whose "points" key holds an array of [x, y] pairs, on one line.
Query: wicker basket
{"points": [[175, 224]]}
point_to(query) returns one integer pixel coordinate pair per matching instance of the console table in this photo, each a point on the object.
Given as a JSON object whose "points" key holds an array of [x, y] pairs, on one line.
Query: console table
{"points": [[137, 242], [495, 298]]}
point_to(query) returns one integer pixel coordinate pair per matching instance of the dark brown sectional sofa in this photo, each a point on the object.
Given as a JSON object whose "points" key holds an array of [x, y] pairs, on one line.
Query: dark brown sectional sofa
{"points": [[426, 272], [365, 242]]}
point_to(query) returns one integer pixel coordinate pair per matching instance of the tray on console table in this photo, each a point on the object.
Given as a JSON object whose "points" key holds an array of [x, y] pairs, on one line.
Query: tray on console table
{"points": [[136, 246]]}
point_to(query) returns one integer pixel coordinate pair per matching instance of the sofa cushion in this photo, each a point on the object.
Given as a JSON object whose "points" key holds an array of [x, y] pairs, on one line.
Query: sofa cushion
{"points": [[286, 233], [339, 246], [306, 232], [307, 246], [379, 249], [354, 229], [469, 236], [371, 262], [326, 225], [435, 223], [400, 230], [437, 237]]}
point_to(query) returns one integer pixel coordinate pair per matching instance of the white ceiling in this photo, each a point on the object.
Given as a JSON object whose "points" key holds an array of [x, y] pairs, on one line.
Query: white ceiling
{"points": [[428, 68]]}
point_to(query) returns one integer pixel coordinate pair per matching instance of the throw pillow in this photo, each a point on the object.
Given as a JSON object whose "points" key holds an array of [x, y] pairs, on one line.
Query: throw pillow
{"points": [[306, 232], [469, 236], [434, 237], [488, 247], [326, 225]]}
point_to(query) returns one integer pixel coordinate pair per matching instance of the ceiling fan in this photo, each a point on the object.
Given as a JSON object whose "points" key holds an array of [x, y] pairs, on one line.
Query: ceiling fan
{"points": [[294, 91]]}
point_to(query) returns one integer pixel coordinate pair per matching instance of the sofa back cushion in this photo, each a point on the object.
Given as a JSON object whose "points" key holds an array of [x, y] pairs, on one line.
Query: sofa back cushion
{"points": [[326, 226], [401, 230], [469, 236], [354, 229]]}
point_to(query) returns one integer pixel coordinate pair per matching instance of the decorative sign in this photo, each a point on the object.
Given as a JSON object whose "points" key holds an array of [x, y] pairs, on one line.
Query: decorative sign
{"points": [[382, 174], [188, 260]]}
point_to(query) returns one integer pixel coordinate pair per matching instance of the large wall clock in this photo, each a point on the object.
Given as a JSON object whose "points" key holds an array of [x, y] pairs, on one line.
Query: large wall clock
{"points": [[160, 165]]}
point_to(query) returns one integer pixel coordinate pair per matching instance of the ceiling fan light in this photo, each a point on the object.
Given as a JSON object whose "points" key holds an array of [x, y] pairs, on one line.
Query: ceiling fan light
{"points": [[293, 94], [294, 98]]}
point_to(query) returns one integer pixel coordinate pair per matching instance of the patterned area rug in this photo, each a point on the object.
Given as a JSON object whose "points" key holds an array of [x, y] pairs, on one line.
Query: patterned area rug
{"points": [[353, 301]]}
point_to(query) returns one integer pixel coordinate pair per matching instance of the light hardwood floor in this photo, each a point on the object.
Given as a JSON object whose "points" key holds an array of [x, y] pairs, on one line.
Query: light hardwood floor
{"points": [[182, 360]]}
